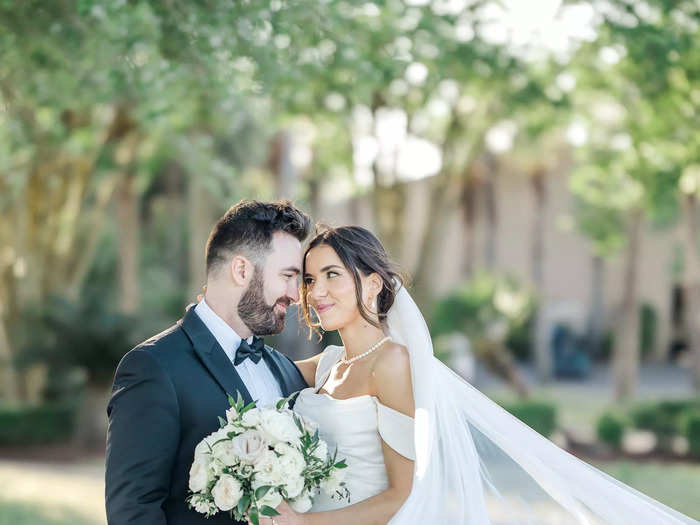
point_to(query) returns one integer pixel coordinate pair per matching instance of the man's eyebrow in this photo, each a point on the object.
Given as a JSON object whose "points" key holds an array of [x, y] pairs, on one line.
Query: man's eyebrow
{"points": [[292, 269]]}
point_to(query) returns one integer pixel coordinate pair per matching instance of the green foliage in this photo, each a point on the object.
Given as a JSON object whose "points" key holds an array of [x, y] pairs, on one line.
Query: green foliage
{"points": [[692, 432], [610, 429], [34, 425], [664, 418], [648, 328], [483, 308], [539, 415]]}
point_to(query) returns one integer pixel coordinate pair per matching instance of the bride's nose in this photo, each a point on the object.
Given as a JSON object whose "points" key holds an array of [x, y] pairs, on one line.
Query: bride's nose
{"points": [[318, 291]]}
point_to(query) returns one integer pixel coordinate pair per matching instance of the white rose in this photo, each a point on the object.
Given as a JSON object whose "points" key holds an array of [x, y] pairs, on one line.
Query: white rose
{"points": [[249, 446], [227, 492], [251, 418], [291, 461], [293, 486], [267, 470], [226, 452], [272, 499], [321, 451], [332, 483], [302, 503], [279, 427], [199, 474]]}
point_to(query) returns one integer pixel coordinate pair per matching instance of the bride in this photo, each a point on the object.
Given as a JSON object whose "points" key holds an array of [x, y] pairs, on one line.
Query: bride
{"points": [[422, 445]]}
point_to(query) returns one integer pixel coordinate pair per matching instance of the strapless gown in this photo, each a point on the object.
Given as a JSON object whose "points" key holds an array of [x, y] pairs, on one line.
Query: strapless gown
{"points": [[356, 426]]}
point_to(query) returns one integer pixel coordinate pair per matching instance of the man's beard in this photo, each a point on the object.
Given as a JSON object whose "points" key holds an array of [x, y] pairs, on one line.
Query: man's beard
{"points": [[257, 315]]}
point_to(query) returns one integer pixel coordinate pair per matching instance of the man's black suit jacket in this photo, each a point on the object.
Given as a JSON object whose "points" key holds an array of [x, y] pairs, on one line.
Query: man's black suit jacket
{"points": [[167, 394]]}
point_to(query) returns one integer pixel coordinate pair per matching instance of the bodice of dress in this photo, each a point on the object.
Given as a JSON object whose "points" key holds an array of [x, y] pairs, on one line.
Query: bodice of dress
{"points": [[356, 426]]}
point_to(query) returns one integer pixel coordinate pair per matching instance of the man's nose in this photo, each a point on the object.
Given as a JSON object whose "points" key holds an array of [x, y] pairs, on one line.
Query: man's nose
{"points": [[293, 292]]}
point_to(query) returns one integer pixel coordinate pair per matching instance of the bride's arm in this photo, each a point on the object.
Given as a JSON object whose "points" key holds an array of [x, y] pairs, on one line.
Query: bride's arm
{"points": [[307, 367], [392, 384]]}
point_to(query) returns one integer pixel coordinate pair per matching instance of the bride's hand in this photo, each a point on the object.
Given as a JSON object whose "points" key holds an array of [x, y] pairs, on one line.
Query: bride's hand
{"points": [[287, 516], [199, 298]]}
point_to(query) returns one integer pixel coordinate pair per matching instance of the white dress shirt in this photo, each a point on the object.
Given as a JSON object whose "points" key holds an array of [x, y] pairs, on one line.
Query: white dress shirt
{"points": [[257, 377]]}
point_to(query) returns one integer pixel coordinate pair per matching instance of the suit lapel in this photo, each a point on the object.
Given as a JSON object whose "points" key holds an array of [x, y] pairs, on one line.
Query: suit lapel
{"points": [[213, 356], [276, 370]]}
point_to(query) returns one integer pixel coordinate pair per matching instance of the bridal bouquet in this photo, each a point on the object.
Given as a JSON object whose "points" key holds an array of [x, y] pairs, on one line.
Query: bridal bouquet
{"points": [[259, 457]]}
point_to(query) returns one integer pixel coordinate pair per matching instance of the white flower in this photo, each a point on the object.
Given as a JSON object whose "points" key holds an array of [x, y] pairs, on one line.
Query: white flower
{"points": [[226, 452], [267, 470], [199, 474], [204, 506], [251, 418], [302, 503], [279, 427], [291, 461], [293, 486], [227, 492], [332, 483], [231, 414], [216, 466], [321, 451], [249, 446], [272, 499]]}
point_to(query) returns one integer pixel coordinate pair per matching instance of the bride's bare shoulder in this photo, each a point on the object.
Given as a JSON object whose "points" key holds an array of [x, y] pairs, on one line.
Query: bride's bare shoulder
{"points": [[392, 378]]}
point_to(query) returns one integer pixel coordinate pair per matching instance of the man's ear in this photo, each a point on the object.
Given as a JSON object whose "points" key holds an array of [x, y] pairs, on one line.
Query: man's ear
{"points": [[241, 270]]}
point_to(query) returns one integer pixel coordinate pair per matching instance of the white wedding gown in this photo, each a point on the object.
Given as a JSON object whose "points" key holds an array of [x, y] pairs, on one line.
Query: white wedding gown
{"points": [[357, 426], [474, 463]]}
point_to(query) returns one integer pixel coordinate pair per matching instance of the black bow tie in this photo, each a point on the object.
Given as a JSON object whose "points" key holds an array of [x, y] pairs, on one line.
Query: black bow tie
{"points": [[252, 351]]}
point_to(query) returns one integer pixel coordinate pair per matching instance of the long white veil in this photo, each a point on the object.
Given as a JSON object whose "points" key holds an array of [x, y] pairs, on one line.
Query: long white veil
{"points": [[476, 464]]}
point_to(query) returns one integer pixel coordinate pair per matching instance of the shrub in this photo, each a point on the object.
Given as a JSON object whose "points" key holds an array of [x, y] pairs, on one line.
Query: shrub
{"points": [[610, 429], [38, 424], [539, 415], [692, 432]]}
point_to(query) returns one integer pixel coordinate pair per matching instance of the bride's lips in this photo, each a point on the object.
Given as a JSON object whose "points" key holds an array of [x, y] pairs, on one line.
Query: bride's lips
{"points": [[320, 308]]}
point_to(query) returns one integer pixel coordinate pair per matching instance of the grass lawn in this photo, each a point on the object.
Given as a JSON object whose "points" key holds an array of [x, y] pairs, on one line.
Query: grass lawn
{"points": [[16, 513], [675, 485]]}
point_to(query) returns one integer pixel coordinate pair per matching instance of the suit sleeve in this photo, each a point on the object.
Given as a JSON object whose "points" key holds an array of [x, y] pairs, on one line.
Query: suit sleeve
{"points": [[142, 441]]}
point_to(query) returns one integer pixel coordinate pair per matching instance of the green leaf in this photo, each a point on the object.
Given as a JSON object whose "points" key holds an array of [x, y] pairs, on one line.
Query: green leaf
{"points": [[231, 402], [253, 516], [222, 422], [340, 464], [268, 511], [243, 504], [261, 491]]}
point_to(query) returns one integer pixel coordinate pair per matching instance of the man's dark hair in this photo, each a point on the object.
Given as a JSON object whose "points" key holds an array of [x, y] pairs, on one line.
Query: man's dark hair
{"points": [[247, 229]]}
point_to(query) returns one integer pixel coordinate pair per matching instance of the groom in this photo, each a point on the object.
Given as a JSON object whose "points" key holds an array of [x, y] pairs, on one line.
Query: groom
{"points": [[169, 390]]}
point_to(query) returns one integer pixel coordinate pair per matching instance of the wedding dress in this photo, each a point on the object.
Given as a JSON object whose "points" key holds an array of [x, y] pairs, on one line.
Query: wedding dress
{"points": [[474, 463], [356, 426]]}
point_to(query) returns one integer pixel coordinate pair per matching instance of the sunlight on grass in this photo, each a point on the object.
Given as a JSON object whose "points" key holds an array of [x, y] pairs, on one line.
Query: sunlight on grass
{"points": [[15, 513]]}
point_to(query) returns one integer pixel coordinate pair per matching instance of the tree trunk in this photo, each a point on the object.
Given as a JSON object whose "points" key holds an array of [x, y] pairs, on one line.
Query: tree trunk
{"points": [[596, 317], [540, 337], [470, 211], [692, 282], [491, 202], [200, 220], [128, 217], [626, 359]]}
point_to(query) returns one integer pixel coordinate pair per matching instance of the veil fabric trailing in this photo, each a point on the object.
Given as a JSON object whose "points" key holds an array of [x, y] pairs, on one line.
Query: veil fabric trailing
{"points": [[476, 464]]}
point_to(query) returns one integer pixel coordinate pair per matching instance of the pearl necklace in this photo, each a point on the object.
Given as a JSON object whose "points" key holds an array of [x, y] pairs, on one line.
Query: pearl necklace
{"points": [[372, 349]]}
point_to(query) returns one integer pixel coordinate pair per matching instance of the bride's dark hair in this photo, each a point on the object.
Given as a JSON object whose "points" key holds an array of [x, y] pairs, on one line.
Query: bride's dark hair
{"points": [[361, 252]]}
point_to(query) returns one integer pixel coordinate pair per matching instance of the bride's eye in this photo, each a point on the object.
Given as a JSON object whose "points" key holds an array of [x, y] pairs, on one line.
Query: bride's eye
{"points": [[332, 274]]}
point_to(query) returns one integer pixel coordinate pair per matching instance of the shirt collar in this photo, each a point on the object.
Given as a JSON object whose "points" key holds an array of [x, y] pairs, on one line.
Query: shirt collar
{"points": [[220, 329]]}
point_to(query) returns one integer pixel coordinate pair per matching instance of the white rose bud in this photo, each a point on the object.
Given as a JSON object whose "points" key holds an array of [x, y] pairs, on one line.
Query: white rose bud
{"points": [[231, 414], [227, 492], [267, 470], [302, 503], [199, 475], [249, 446], [226, 452]]}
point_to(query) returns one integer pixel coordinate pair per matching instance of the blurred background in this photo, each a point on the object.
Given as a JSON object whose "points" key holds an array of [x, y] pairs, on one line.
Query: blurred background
{"points": [[533, 165]]}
